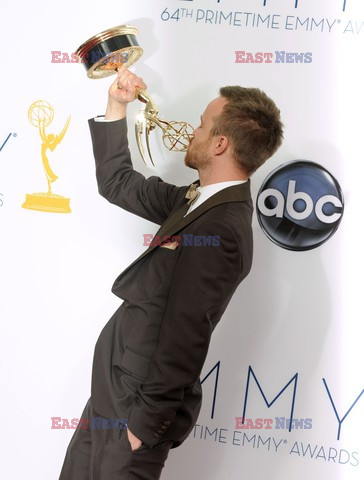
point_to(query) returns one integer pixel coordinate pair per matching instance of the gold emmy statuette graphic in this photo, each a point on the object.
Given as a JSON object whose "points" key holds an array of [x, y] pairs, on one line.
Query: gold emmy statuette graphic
{"points": [[102, 55], [41, 115]]}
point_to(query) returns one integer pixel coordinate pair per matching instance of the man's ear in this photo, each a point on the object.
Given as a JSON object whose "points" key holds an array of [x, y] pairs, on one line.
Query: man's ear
{"points": [[221, 145]]}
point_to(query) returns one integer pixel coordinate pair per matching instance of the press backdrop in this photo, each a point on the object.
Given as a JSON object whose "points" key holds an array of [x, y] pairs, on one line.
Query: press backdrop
{"points": [[296, 321]]}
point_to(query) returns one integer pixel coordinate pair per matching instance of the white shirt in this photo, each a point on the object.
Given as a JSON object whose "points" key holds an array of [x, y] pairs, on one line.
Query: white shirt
{"points": [[209, 190]]}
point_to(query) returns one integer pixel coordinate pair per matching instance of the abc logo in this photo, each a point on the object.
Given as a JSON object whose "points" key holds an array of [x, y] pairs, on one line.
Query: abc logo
{"points": [[300, 205]]}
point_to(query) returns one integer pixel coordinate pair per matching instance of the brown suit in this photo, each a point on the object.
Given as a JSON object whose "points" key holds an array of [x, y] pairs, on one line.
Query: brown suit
{"points": [[175, 297], [148, 358]]}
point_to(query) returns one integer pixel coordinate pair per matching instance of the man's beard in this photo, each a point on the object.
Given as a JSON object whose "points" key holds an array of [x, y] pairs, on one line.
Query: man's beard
{"points": [[197, 156]]}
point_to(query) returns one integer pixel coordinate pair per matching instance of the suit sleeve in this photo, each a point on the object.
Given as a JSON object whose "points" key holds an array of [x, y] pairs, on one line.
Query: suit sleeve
{"points": [[150, 198], [204, 279]]}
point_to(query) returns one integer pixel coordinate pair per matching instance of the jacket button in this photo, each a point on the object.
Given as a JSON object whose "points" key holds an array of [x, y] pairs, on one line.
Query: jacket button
{"points": [[155, 435]]}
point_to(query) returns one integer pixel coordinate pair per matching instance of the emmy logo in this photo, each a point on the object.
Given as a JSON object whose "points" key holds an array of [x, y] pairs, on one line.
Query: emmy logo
{"points": [[40, 115]]}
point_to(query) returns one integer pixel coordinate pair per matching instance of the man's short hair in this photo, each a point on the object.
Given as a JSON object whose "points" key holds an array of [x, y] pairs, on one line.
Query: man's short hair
{"points": [[251, 121]]}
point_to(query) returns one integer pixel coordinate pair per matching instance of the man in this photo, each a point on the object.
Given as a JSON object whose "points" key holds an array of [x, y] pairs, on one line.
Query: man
{"points": [[150, 354]]}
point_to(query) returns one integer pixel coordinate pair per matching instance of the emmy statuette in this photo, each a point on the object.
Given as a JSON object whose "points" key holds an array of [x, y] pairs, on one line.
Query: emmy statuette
{"points": [[102, 55], [40, 115]]}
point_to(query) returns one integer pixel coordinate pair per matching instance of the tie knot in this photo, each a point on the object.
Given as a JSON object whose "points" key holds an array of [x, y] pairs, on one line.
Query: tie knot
{"points": [[192, 194]]}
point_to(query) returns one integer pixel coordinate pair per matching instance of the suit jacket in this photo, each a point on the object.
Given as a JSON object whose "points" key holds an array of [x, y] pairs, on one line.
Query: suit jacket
{"points": [[175, 298]]}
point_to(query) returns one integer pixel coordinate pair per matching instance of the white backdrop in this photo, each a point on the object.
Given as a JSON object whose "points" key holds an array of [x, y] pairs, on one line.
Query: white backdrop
{"points": [[296, 313]]}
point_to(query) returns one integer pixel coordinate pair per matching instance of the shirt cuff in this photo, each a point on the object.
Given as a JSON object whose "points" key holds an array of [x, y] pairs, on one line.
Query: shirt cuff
{"points": [[101, 118]]}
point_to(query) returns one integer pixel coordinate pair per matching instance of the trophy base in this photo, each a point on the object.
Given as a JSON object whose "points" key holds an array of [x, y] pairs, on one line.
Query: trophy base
{"points": [[105, 52], [47, 202]]}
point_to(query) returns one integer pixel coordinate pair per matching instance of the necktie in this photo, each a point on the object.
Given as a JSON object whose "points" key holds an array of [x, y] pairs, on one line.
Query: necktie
{"points": [[192, 194]]}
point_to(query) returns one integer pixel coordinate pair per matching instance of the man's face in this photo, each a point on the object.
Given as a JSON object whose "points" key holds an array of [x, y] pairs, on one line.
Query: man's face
{"points": [[200, 151]]}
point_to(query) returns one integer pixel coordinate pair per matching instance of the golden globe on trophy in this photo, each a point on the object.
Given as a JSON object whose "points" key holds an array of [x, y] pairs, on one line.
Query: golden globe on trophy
{"points": [[40, 115], [102, 55]]}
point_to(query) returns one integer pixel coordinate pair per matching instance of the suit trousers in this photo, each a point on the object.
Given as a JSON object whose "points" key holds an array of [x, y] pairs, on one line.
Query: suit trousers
{"points": [[99, 448], [105, 454]]}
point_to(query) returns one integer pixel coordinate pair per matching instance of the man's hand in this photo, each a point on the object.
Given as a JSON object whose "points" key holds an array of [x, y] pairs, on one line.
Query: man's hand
{"points": [[133, 440], [121, 92]]}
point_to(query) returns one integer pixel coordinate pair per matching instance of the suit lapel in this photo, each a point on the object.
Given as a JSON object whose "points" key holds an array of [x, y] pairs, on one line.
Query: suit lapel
{"points": [[236, 193], [176, 221]]}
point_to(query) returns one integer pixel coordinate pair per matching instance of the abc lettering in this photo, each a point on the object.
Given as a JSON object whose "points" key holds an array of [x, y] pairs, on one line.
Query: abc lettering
{"points": [[292, 197]]}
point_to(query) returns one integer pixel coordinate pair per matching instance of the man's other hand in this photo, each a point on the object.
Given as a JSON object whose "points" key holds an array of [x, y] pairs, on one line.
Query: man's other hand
{"points": [[133, 440]]}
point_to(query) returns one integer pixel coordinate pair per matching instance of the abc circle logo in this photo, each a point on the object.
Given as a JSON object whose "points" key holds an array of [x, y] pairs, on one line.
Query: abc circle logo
{"points": [[300, 205]]}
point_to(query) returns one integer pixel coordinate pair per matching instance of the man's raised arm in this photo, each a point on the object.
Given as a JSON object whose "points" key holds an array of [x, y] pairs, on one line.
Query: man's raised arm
{"points": [[150, 198]]}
